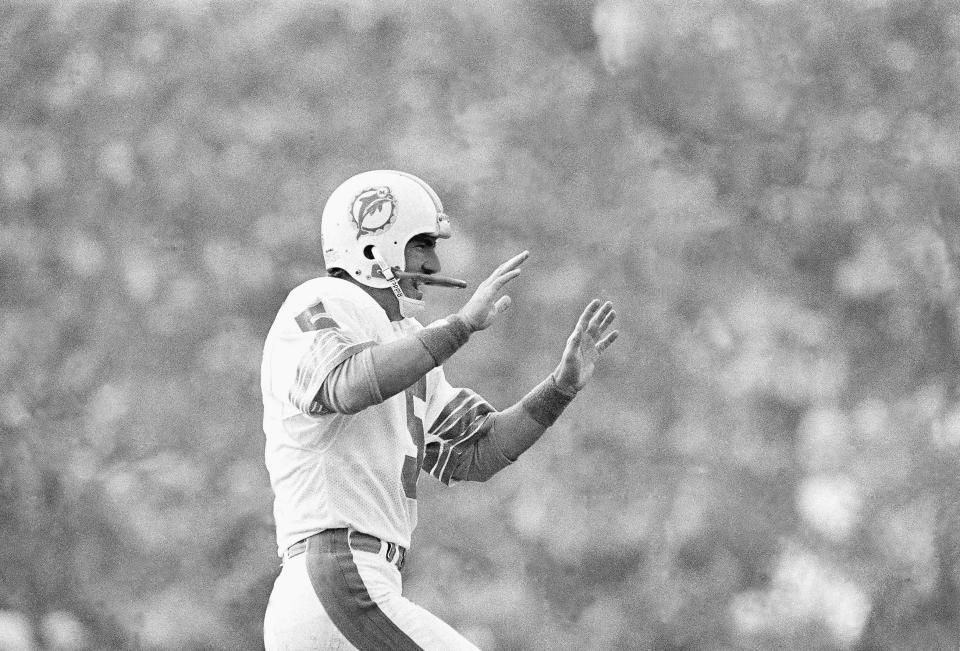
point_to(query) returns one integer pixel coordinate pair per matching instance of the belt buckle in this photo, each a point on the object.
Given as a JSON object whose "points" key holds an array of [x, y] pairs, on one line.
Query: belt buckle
{"points": [[391, 552], [395, 554]]}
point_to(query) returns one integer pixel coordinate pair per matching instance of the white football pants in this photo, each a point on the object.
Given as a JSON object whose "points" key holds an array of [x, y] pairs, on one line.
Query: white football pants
{"points": [[333, 597]]}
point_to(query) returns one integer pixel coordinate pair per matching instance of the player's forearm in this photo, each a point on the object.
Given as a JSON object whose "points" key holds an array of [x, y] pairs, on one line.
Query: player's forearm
{"points": [[517, 428], [511, 432], [382, 371], [399, 364]]}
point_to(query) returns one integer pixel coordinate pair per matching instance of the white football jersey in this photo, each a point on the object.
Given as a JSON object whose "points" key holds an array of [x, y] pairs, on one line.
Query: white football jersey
{"points": [[331, 470]]}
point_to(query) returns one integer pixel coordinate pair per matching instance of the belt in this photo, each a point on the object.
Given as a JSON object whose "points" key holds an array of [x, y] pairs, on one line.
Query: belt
{"points": [[364, 542]]}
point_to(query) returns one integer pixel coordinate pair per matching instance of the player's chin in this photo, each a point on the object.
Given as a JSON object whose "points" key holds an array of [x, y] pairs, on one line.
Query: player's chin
{"points": [[412, 290]]}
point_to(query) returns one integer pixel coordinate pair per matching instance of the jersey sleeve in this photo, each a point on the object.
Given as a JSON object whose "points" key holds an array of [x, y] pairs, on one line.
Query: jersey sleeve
{"points": [[314, 337], [454, 420]]}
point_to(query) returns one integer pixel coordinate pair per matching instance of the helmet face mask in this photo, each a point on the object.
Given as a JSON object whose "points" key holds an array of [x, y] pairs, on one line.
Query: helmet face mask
{"points": [[368, 221]]}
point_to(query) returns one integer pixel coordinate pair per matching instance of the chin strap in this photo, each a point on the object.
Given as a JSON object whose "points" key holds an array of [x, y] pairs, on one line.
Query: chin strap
{"points": [[409, 307]]}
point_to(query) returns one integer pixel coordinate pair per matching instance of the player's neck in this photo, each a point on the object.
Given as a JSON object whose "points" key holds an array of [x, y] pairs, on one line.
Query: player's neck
{"points": [[386, 300]]}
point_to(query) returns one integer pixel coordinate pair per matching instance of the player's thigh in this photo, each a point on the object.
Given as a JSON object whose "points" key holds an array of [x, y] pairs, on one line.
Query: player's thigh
{"points": [[295, 620], [426, 629], [431, 633]]}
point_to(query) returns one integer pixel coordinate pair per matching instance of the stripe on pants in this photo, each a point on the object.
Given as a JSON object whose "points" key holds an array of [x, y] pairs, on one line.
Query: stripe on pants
{"points": [[341, 590]]}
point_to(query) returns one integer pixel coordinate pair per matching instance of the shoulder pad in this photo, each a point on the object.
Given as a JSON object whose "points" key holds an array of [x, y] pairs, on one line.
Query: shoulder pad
{"points": [[335, 289]]}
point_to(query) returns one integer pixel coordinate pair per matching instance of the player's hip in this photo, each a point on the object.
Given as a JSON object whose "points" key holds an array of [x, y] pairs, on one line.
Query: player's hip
{"points": [[327, 580], [339, 591]]}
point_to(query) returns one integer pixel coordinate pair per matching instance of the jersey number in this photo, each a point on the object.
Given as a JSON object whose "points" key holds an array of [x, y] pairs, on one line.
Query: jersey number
{"points": [[412, 465]]}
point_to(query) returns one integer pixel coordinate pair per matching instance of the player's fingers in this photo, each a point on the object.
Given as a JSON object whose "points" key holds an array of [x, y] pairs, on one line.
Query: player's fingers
{"points": [[511, 264], [497, 283], [587, 314], [576, 337], [507, 267], [606, 341], [598, 317], [607, 320], [503, 304]]}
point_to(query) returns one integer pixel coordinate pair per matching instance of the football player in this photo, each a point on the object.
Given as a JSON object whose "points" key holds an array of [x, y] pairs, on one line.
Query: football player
{"points": [[356, 404]]}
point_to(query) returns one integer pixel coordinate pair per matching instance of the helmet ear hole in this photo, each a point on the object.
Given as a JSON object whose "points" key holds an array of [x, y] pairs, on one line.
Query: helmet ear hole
{"points": [[368, 252]]}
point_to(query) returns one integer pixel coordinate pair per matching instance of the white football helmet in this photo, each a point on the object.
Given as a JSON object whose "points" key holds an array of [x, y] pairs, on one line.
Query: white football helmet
{"points": [[368, 220]]}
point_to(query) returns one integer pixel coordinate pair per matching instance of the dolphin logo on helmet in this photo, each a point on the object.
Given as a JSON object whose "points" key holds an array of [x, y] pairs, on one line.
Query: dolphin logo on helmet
{"points": [[374, 211]]}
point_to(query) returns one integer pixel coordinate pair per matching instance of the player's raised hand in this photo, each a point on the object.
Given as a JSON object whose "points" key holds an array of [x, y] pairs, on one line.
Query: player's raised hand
{"points": [[484, 306], [585, 345]]}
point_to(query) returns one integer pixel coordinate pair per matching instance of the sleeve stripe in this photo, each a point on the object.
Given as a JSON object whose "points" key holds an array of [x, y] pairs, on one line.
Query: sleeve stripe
{"points": [[456, 401], [447, 470], [306, 363], [329, 348], [460, 422], [467, 418], [304, 400], [330, 343], [321, 355], [446, 448], [465, 402]]}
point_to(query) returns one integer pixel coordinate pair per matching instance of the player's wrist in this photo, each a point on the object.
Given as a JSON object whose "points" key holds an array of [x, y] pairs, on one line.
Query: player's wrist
{"points": [[460, 328], [466, 320], [460, 321], [547, 401], [563, 386], [444, 338]]}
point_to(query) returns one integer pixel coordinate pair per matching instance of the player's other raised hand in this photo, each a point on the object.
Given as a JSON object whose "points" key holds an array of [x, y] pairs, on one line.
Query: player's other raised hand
{"points": [[484, 306], [585, 345]]}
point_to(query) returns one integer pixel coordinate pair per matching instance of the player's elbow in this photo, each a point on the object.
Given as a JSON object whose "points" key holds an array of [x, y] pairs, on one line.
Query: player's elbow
{"points": [[334, 403], [349, 410], [481, 465], [473, 475], [489, 469], [487, 474]]}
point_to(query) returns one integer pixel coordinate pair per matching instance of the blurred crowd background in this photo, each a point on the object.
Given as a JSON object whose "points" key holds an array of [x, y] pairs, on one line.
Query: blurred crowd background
{"points": [[768, 190]]}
